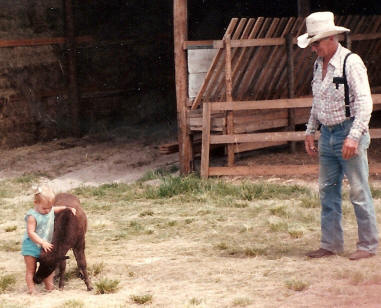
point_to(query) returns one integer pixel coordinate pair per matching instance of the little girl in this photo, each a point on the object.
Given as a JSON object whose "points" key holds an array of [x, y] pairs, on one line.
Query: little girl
{"points": [[39, 233]]}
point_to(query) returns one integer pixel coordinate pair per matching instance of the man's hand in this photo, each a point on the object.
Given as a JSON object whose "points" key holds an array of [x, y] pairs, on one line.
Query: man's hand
{"points": [[309, 143], [349, 148]]}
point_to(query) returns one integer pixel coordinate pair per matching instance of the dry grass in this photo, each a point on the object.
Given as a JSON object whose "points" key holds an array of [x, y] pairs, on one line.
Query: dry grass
{"points": [[185, 242]]}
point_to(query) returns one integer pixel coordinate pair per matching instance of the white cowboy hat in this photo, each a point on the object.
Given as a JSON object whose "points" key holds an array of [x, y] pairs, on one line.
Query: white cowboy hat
{"points": [[319, 25]]}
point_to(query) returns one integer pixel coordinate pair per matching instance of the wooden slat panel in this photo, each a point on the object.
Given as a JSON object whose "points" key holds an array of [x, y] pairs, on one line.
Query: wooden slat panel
{"points": [[209, 74]]}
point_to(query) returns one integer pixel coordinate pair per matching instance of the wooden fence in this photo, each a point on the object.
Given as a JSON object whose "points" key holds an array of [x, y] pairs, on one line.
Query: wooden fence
{"points": [[256, 73]]}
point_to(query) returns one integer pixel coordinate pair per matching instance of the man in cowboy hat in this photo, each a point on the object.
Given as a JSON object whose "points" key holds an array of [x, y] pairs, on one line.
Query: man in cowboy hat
{"points": [[344, 136]]}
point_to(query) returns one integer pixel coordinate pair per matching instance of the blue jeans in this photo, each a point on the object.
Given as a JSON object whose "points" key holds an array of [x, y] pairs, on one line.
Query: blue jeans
{"points": [[332, 170]]}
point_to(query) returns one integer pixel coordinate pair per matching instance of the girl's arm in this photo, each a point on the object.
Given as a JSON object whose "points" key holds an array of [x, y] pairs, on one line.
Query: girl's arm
{"points": [[31, 229], [60, 208]]}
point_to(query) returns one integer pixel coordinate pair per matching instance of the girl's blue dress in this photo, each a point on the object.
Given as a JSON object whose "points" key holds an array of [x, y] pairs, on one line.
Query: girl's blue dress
{"points": [[44, 228]]}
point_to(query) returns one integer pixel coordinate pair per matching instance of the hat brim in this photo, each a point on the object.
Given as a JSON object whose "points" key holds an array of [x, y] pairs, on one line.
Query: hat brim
{"points": [[304, 41]]}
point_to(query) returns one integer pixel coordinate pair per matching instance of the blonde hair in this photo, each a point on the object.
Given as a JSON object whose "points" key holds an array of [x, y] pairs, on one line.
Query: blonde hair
{"points": [[45, 193]]}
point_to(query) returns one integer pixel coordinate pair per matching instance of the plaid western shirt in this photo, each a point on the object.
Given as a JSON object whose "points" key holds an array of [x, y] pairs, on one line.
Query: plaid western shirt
{"points": [[328, 106]]}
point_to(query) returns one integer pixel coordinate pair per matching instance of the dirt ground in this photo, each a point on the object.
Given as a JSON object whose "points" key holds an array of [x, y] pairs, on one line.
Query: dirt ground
{"points": [[69, 163], [72, 162]]}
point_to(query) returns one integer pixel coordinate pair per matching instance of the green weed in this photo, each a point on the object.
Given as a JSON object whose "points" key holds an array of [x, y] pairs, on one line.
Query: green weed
{"points": [[242, 302], [106, 286], [72, 303], [376, 193], [7, 282], [309, 202], [10, 229], [296, 285], [96, 269], [142, 299], [10, 246]]}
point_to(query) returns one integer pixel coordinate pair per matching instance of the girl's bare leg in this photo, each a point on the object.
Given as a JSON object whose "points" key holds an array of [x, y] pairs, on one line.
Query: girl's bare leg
{"points": [[30, 263]]}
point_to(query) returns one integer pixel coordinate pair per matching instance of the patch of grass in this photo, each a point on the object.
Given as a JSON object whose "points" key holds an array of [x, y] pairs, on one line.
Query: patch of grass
{"points": [[310, 202], [10, 228], [222, 246], [71, 273], [146, 213], [241, 302], [296, 285], [72, 303], [106, 286], [142, 299], [243, 251], [279, 210], [172, 223], [254, 251], [296, 232], [96, 269], [357, 278], [376, 193], [277, 224], [27, 179], [158, 173], [189, 221], [195, 301], [7, 282], [10, 246], [135, 227]]}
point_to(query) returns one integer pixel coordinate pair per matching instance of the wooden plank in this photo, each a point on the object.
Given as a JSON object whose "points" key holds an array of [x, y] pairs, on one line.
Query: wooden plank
{"points": [[244, 147], [257, 137], [205, 148], [180, 34], [291, 86], [365, 36], [375, 133], [200, 44], [259, 42], [264, 104], [264, 170], [260, 125], [268, 41], [228, 81], [273, 137]]}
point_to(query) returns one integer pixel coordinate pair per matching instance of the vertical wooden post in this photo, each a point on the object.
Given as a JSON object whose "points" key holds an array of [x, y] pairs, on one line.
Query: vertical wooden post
{"points": [[73, 94], [291, 86], [180, 28], [205, 145], [229, 97]]}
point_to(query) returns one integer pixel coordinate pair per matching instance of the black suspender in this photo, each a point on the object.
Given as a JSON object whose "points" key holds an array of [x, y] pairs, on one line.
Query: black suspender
{"points": [[343, 80]]}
